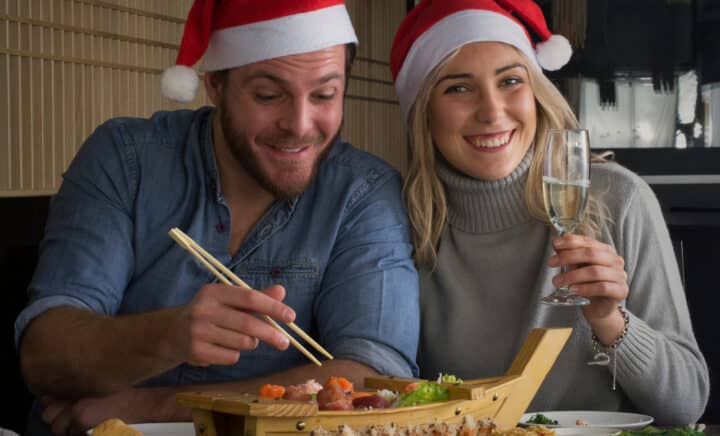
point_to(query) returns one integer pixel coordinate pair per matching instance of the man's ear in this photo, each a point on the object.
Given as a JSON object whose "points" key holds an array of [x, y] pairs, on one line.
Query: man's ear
{"points": [[213, 86]]}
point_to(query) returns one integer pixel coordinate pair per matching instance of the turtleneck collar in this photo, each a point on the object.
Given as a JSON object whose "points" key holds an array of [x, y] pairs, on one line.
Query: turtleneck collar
{"points": [[480, 206]]}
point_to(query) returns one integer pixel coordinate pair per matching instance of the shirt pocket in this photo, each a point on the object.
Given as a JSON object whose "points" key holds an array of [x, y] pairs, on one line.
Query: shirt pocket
{"points": [[296, 275], [302, 280]]}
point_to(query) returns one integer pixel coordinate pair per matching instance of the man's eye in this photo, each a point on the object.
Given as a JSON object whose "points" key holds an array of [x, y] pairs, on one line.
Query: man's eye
{"points": [[454, 89], [325, 96], [266, 97]]}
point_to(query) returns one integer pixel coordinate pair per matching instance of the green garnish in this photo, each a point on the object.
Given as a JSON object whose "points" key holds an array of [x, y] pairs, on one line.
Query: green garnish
{"points": [[541, 419], [450, 378], [427, 392], [654, 431]]}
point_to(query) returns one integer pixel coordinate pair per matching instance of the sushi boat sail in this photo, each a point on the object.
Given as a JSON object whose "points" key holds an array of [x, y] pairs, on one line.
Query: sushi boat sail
{"points": [[504, 399]]}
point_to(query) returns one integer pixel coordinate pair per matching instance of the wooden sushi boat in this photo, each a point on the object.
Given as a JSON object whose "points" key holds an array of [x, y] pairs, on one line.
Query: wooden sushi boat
{"points": [[504, 399]]}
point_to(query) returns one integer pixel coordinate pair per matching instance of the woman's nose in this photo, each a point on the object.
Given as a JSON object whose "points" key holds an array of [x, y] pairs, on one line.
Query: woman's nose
{"points": [[488, 107]]}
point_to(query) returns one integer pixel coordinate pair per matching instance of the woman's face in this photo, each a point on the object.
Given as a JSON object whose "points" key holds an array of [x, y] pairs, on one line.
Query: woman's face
{"points": [[482, 110]]}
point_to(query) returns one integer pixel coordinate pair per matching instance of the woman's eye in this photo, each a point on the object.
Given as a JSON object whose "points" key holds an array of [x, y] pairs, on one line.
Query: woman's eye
{"points": [[511, 81], [454, 89]]}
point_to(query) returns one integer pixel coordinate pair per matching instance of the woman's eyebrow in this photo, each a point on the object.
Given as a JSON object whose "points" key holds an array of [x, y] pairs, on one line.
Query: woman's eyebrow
{"points": [[470, 75], [510, 67], [455, 76]]}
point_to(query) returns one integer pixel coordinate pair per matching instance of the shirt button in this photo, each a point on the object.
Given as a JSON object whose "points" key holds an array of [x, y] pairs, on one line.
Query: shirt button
{"points": [[220, 228], [275, 272]]}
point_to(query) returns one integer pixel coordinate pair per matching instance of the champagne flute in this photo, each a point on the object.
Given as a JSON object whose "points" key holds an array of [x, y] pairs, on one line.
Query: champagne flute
{"points": [[566, 184]]}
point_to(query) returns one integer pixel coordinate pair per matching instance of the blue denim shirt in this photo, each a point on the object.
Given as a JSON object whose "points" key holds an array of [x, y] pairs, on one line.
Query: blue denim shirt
{"points": [[341, 249]]}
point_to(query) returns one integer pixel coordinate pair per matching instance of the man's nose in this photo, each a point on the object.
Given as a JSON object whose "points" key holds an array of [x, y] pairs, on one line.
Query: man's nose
{"points": [[297, 118]]}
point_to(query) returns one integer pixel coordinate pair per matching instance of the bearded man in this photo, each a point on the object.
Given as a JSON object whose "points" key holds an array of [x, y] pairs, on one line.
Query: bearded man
{"points": [[121, 318]]}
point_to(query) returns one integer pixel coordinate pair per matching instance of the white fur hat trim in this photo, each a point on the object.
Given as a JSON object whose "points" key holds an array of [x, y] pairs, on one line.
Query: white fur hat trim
{"points": [[553, 53], [179, 83]]}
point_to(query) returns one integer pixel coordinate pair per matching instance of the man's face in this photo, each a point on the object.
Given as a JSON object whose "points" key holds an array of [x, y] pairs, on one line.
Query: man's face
{"points": [[280, 117]]}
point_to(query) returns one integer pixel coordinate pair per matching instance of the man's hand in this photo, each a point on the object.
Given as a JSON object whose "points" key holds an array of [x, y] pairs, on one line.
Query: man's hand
{"points": [[222, 321], [132, 406]]}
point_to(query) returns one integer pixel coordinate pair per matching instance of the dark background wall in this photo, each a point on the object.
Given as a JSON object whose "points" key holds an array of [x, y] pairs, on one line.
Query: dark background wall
{"points": [[22, 221]]}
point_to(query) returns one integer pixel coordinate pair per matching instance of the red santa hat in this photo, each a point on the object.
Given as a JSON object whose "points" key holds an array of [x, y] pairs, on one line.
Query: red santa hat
{"points": [[434, 28], [232, 33]]}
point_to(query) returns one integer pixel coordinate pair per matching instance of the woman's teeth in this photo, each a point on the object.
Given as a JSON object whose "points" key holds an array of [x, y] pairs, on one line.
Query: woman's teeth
{"points": [[491, 143]]}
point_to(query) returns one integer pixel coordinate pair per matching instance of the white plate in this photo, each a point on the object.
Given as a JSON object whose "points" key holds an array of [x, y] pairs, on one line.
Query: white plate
{"points": [[164, 428], [586, 431], [569, 418]]}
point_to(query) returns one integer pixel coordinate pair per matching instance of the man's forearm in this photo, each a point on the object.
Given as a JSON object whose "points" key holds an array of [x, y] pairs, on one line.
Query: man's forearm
{"points": [[169, 410], [73, 353]]}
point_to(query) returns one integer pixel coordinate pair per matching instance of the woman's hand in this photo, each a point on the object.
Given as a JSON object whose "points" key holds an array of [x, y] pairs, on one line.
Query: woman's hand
{"points": [[598, 273]]}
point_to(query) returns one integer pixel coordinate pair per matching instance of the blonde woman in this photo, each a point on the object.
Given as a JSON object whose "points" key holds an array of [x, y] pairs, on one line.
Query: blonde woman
{"points": [[469, 79]]}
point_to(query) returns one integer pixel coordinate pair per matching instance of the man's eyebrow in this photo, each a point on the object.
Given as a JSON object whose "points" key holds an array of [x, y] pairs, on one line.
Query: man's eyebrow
{"points": [[470, 75], [329, 77], [261, 74]]}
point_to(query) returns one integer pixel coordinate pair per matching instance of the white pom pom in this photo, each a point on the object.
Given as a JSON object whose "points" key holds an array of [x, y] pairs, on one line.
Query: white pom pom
{"points": [[553, 53], [179, 83]]}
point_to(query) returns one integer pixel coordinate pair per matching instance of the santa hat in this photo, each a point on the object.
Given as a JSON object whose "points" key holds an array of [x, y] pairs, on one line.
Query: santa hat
{"points": [[232, 33], [434, 28]]}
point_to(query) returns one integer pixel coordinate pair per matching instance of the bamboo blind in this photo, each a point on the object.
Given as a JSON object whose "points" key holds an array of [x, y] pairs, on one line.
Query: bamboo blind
{"points": [[68, 65]]}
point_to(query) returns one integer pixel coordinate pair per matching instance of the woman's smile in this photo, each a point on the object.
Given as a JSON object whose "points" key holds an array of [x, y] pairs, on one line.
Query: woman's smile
{"points": [[490, 143]]}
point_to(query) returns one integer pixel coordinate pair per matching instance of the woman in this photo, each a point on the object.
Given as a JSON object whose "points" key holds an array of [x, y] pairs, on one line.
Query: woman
{"points": [[478, 109]]}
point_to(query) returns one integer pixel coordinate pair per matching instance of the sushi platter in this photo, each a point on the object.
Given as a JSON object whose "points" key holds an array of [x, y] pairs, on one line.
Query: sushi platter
{"points": [[503, 398]]}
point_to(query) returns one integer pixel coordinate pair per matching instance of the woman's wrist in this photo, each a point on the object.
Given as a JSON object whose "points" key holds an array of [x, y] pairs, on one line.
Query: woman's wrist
{"points": [[610, 331]]}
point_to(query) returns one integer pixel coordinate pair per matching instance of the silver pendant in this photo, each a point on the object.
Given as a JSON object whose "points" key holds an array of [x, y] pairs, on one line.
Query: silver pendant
{"points": [[600, 359]]}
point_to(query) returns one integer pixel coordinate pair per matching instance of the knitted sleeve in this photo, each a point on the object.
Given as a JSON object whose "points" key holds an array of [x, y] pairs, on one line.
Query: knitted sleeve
{"points": [[660, 367]]}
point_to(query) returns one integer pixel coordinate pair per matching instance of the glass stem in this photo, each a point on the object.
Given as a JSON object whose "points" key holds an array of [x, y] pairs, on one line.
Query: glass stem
{"points": [[563, 268]]}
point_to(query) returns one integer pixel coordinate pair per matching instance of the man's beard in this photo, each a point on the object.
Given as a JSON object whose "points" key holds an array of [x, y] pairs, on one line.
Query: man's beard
{"points": [[244, 155]]}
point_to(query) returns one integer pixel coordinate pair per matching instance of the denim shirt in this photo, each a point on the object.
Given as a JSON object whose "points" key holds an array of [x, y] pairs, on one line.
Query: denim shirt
{"points": [[341, 249]]}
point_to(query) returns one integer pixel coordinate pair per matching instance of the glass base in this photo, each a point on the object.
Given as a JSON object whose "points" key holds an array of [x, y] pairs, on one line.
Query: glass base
{"points": [[564, 298]]}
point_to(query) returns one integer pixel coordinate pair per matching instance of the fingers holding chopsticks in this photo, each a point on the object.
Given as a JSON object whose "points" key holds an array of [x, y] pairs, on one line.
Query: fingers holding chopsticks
{"points": [[226, 276], [222, 321]]}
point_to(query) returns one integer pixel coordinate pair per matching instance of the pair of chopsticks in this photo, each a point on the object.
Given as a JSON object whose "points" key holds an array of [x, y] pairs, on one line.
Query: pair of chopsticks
{"points": [[214, 265]]}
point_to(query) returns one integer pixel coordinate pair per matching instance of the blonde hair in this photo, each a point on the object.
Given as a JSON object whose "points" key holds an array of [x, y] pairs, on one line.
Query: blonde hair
{"points": [[425, 194]]}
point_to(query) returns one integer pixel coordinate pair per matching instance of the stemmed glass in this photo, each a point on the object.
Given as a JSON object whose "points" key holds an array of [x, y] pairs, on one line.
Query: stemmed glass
{"points": [[566, 183]]}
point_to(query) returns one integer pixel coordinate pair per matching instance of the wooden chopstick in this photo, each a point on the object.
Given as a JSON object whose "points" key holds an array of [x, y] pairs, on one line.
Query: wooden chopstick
{"points": [[209, 260]]}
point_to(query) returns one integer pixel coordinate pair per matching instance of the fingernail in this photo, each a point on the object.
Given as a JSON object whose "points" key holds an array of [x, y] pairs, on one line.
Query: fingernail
{"points": [[553, 261], [289, 315], [558, 242]]}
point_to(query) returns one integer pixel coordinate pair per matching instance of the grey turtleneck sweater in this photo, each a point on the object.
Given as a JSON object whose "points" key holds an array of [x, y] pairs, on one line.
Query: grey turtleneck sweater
{"points": [[483, 298]]}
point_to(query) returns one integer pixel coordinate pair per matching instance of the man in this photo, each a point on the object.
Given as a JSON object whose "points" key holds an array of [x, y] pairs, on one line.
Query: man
{"points": [[121, 317]]}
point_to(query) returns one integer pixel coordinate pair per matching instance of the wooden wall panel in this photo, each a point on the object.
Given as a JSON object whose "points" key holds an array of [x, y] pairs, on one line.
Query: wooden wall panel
{"points": [[66, 66]]}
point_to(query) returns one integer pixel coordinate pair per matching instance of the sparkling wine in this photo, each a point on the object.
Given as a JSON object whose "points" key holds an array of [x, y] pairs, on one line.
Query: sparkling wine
{"points": [[565, 202]]}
